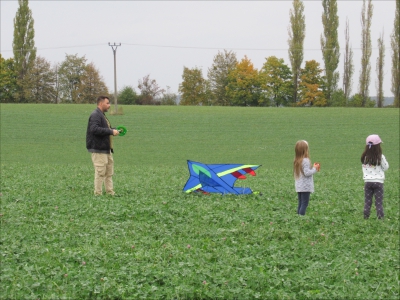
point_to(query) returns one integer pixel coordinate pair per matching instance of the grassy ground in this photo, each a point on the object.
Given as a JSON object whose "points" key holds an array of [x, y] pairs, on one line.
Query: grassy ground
{"points": [[155, 242]]}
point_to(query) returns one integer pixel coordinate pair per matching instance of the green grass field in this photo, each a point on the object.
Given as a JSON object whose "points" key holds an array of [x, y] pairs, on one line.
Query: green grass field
{"points": [[57, 241]]}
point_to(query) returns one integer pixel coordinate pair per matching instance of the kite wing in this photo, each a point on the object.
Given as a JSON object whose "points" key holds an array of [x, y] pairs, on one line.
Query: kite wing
{"points": [[217, 178]]}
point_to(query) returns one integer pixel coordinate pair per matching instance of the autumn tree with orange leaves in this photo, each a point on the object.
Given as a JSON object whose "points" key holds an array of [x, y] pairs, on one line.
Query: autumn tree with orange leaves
{"points": [[244, 85], [311, 85]]}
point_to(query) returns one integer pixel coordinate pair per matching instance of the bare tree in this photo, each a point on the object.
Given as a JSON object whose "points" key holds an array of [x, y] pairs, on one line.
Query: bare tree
{"points": [[380, 62], [149, 91]]}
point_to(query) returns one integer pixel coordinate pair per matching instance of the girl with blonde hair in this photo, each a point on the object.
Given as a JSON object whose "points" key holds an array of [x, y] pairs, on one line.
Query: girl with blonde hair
{"points": [[303, 174]]}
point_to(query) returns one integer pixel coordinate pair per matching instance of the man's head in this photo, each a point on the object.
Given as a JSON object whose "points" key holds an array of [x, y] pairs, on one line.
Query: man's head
{"points": [[103, 102]]}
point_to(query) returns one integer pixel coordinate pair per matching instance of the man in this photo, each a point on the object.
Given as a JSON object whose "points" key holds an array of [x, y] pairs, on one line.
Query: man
{"points": [[99, 141]]}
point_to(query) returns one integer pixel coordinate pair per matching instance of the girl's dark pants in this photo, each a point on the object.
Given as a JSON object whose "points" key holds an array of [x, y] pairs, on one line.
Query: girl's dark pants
{"points": [[304, 197], [371, 189]]}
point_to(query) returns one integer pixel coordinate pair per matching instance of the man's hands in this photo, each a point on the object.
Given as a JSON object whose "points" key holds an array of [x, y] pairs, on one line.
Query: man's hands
{"points": [[115, 132]]}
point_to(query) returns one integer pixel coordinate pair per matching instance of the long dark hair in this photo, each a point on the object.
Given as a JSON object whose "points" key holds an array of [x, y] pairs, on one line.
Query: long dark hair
{"points": [[372, 155]]}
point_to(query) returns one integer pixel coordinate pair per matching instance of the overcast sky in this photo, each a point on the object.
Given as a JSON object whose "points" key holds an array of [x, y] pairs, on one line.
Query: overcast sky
{"points": [[160, 38]]}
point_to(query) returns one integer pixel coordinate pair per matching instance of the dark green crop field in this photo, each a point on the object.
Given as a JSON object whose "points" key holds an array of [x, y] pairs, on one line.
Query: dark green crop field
{"points": [[57, 241]]}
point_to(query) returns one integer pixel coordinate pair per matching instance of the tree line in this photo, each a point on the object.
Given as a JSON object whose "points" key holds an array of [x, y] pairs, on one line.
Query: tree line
{"points": [[233, 82], [71, 81], [26, 78]]}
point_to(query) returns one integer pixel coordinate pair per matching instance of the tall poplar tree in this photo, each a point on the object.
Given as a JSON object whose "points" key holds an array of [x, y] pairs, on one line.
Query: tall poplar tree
{"points": [[296, 31], [348, 64], [23, 44], [380, 63], [330, 46], [395, 43], [366, 48]]}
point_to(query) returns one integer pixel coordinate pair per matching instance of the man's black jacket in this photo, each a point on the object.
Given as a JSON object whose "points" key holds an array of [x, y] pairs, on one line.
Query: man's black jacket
{"points": [[98, 133]]}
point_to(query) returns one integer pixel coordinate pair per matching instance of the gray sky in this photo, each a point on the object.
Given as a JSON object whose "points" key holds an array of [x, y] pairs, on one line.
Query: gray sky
{"points": [[161, 37]]}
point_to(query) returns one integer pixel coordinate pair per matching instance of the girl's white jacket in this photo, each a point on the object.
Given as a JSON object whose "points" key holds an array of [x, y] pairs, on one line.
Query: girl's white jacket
{"points": [[375, 173]]}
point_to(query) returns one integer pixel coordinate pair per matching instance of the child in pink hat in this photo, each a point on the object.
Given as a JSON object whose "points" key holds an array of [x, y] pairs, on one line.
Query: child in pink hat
{"points": [[374, 165]]}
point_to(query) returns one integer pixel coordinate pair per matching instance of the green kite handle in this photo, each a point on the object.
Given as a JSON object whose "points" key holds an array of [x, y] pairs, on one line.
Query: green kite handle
{"points": [[122, 130]]}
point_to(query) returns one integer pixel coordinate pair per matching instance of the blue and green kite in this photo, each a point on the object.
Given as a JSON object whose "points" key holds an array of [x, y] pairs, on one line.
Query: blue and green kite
{"points": [[217, 178]]}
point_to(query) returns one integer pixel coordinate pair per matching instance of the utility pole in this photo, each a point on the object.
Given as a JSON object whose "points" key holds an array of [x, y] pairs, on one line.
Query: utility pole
{"points": [[114, 48]]}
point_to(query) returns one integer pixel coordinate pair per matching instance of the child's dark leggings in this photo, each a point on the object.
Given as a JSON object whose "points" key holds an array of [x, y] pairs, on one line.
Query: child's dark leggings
{"points": [[371, 189], [304, 197]]}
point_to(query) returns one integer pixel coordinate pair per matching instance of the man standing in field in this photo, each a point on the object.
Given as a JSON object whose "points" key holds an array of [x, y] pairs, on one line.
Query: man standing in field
{"points": [[99, 141]]}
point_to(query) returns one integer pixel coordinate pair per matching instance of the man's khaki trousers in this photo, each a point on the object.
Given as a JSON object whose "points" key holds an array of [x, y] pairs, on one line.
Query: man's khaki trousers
{"points": [[103, 172]]}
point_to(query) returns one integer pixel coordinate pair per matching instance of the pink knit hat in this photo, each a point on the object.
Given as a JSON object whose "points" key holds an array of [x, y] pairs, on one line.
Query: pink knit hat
{"points": [[373, 139]]}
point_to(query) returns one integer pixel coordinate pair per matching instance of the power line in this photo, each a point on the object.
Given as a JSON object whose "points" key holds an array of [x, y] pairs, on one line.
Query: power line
{"points": [[60, 47], [177, 47], [205, 48], [219, 48]]}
